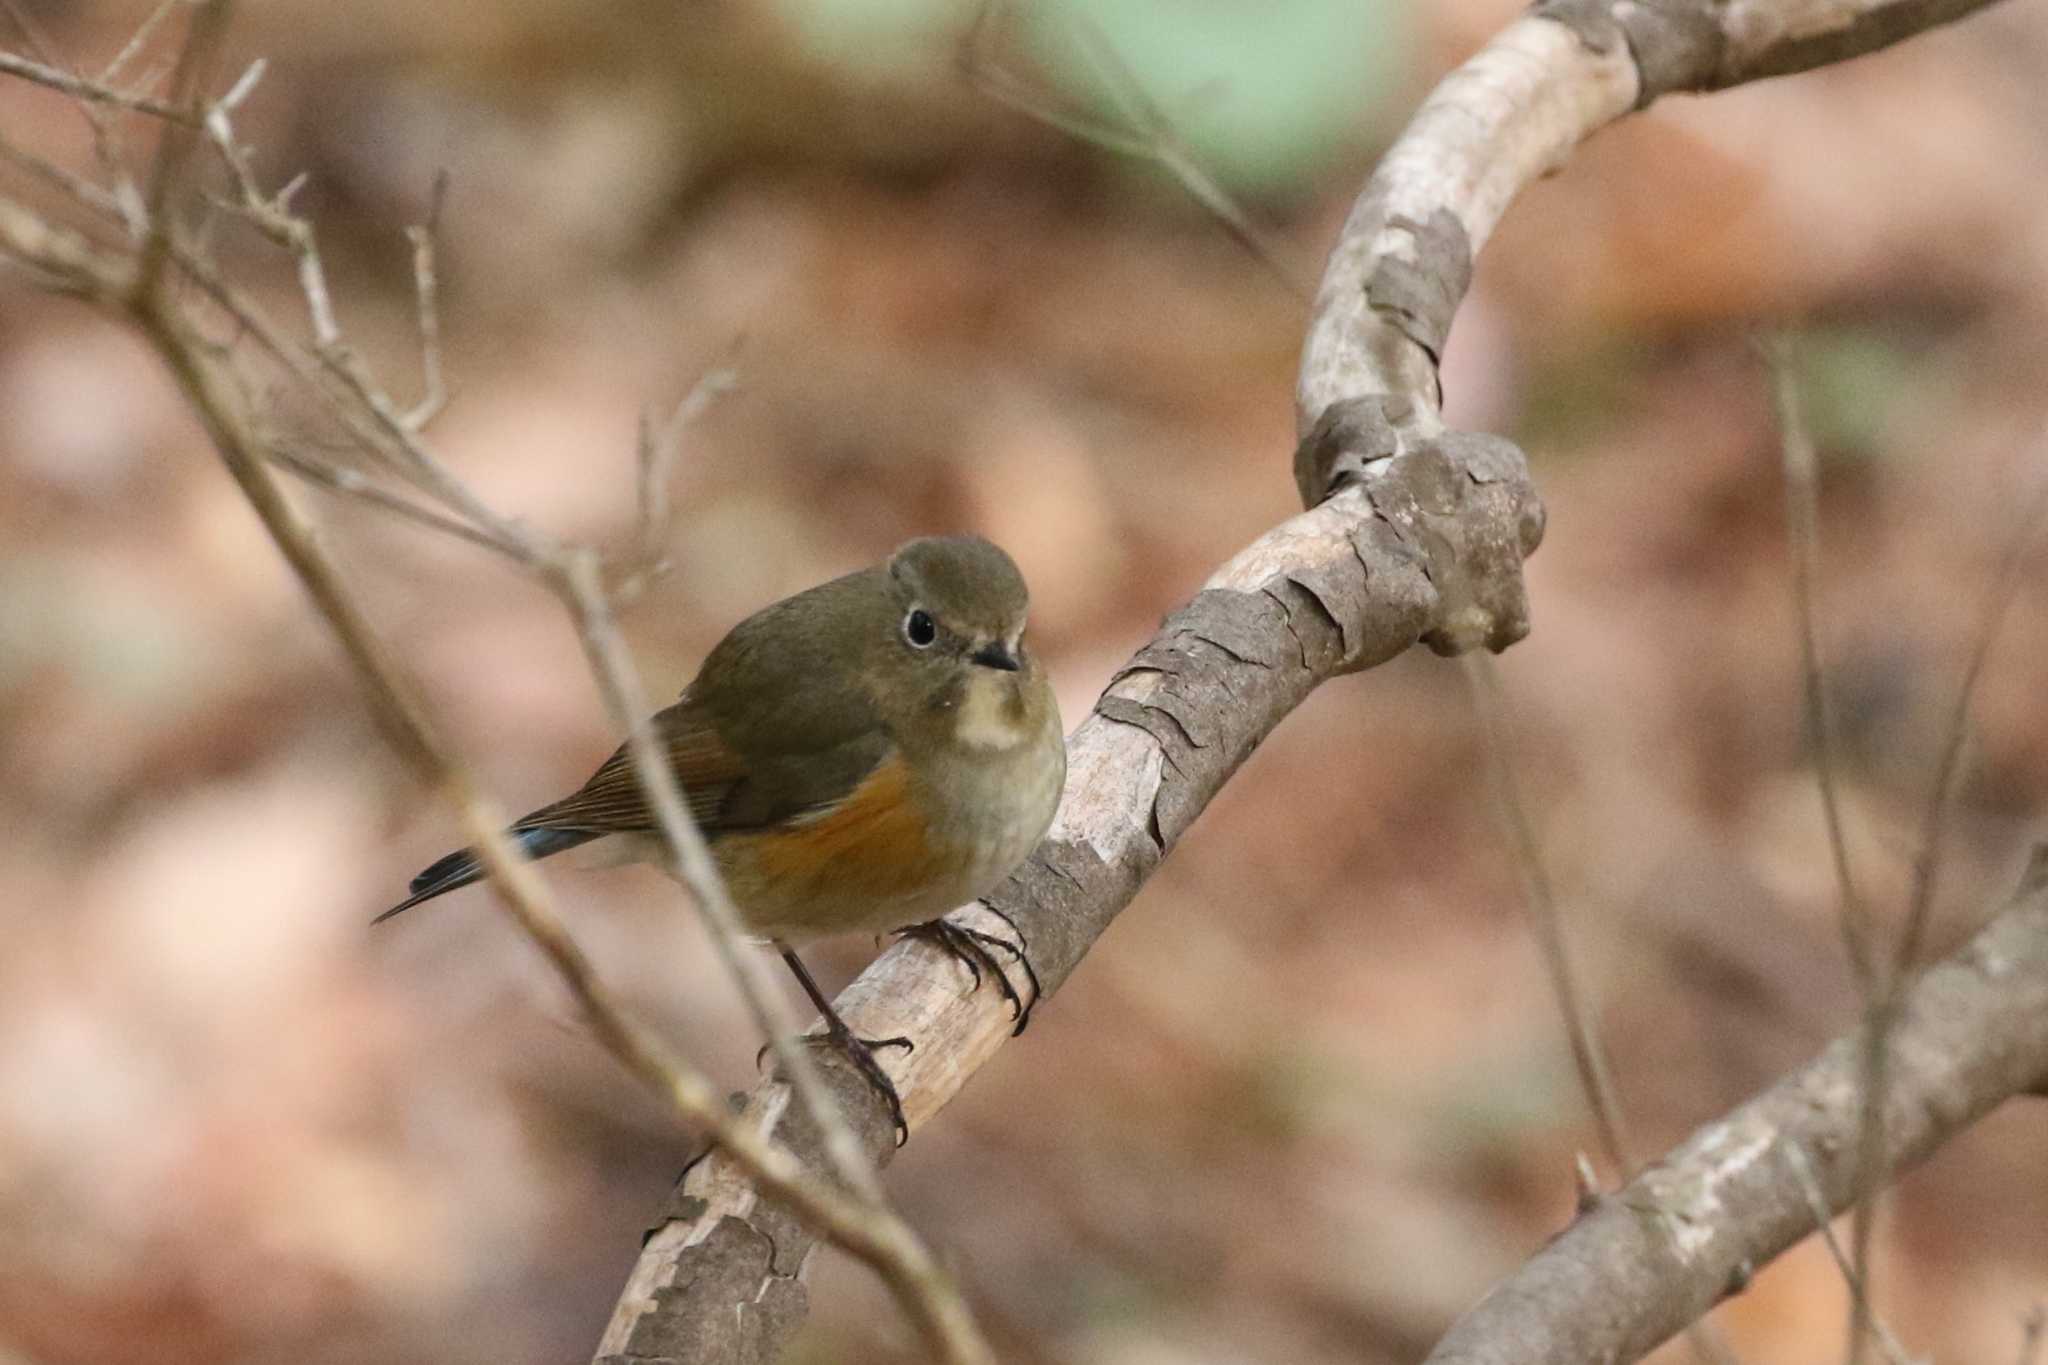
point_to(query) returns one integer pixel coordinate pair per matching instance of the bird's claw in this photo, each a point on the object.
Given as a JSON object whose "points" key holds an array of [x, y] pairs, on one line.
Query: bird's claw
{"points": [[974, 949]]}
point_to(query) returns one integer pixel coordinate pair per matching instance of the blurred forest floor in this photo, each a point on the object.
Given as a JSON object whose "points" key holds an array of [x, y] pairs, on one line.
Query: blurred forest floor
{"points": [[1310, 1096]]}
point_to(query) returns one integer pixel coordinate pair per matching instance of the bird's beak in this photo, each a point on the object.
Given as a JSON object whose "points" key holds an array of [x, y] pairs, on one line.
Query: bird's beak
{"points": [[995, 654]]}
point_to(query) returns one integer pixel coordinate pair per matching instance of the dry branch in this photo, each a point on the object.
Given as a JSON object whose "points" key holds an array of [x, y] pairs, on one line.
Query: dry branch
{"points": [[1427, 546], [140, 285], [1971, 1032]]}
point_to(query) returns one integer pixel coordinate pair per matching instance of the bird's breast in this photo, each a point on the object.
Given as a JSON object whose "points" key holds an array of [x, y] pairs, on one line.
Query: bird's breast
{"points": [[910, 842]]}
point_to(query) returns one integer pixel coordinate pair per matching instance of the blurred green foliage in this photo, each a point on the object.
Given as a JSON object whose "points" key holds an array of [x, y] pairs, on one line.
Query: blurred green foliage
{"points": [[1266, 96], [1855, 381]]}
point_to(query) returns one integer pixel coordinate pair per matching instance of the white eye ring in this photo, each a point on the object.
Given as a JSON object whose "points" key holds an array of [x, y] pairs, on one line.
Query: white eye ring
{"points": [[919, 630]]}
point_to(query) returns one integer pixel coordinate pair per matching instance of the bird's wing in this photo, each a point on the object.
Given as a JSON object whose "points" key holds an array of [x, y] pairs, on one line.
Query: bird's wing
{"points": [[728, 787], [761, 738]]}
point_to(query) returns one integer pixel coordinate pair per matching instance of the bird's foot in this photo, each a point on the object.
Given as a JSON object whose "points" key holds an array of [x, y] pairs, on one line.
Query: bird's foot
{"points": [[975, 949], [861, 1052]]}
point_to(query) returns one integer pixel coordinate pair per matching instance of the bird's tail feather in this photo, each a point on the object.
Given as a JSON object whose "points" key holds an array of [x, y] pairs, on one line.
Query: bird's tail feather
{"points": [[461, 867]]}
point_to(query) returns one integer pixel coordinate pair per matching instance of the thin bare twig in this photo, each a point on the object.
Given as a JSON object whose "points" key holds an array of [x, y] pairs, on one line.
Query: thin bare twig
{"points": [[407, 450], [355, 484], [626, 700], [96, 111], [1589, 1058], [84, 267], [858, 1222], [401, 452], [1546, 924], [368, 408], [1802, 1171], [91, 91], [2026, 533], [1881, 1020], [426, 296], [1926, 866], [192, 76], [1802, 527], [271, 215], [862, 1223], [137, 41], [981, 62], [68, 182], [1878, 993], [1153, 136], [656, 451], [557, 566]]}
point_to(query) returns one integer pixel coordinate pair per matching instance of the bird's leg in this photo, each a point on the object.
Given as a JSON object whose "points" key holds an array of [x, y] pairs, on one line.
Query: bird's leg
{"points": [[972, 947], [860, 1050]]}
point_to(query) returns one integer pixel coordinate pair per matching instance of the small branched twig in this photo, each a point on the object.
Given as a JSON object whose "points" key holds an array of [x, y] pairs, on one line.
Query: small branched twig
{"points": [[272, 215], [556, 566], [86, 90], [353, 483], [94, 102], [139, 286], [857, 1222], [65, 181], [656, 450]]}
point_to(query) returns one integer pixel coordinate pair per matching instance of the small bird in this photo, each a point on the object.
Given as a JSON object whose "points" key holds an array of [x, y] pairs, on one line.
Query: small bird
{"points": [[862, 757]]}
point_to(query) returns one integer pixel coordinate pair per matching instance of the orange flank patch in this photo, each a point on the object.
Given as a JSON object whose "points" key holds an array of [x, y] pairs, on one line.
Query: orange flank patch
{"points": [[871, 844]]}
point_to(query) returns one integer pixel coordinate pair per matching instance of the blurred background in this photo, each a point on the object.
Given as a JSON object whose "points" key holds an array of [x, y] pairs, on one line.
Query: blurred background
{"points": [[1309, 1097]]}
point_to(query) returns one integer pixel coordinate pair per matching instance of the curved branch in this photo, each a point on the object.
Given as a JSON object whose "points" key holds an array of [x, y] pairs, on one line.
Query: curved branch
{"points": [[1339, 588], [1646, 1261], [1424, 547]]}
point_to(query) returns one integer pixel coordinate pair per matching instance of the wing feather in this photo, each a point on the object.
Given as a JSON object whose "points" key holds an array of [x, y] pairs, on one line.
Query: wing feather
{"points": [[726, 790], [611, 802]]}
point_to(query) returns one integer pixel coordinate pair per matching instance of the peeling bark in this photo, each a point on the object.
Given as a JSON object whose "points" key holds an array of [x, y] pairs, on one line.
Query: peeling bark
{"points": [[1342, 587], [1415, 533], [1652, 1258]]}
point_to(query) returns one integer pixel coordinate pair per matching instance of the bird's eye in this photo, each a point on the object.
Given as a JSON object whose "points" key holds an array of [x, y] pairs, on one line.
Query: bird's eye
{"points": [[920, 629]]}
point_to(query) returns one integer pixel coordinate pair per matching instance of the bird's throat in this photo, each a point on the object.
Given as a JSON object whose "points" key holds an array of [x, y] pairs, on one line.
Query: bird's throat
{"points": [[990, 714]]}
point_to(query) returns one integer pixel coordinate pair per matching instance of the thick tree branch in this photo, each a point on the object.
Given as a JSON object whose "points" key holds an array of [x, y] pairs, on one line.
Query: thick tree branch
{"points": [[1971, 1032], [1336, 589], [1427, 546]]}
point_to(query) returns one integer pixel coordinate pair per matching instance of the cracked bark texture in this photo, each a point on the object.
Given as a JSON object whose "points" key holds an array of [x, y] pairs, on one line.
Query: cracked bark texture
{"points": [[1652, 1258], [1415, 533], [1346, 585]]}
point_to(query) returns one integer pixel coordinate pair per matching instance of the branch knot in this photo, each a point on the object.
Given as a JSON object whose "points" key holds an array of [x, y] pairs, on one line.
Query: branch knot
{"points": [[1462, 501]]}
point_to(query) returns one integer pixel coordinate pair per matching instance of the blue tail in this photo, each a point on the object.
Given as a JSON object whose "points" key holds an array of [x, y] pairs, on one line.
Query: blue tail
{"points": [[460, 868]]}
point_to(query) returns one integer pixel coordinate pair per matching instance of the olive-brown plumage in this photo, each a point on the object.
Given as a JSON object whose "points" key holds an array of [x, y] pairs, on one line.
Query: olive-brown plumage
{"points": [[863, 756]]}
